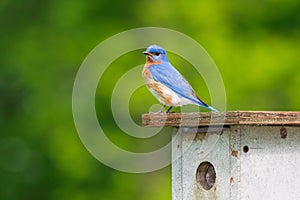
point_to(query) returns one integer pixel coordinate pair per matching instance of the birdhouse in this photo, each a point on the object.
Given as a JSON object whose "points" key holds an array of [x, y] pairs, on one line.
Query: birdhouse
{"points": [[233, 155]]}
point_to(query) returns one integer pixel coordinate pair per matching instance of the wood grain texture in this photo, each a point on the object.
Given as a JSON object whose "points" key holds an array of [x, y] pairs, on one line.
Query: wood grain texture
{"points": [[199, 119]]}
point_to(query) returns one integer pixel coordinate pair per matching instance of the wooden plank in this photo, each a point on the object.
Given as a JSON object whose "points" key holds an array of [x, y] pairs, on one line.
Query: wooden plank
{"points": [[196, 119]]}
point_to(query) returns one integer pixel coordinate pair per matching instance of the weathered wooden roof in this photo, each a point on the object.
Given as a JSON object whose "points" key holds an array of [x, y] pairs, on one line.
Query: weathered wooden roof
{"points": [[195, 119]]}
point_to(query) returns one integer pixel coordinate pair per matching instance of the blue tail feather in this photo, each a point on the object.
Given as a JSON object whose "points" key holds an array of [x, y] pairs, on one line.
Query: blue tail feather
{"points": [[212, 109], [204, 105]]}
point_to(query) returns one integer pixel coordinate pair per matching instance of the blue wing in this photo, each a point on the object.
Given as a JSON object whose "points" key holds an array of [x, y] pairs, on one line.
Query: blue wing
{"points": [[166, 74]]}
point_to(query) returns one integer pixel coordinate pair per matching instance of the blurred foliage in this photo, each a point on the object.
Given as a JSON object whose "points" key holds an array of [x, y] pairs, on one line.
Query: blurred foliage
{"points": [[255, 44]]}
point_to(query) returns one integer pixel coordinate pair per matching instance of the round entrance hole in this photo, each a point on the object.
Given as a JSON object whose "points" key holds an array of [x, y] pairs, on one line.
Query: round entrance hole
{"points": [[246, 149], [206, 175]]}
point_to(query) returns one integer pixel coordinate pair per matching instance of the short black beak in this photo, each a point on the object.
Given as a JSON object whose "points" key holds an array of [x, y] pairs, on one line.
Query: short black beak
{"points": [[147, 53]]}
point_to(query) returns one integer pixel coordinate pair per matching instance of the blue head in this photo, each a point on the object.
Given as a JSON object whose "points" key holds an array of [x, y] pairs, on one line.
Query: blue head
{"points": [[156, 53]]}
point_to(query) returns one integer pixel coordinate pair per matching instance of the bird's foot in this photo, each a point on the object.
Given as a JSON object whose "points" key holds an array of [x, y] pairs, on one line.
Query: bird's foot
{"points": [[162, 110], [168, 111]]}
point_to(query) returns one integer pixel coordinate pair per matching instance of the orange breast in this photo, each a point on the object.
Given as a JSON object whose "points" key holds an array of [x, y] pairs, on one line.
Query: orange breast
{"points": [[146, 73]]}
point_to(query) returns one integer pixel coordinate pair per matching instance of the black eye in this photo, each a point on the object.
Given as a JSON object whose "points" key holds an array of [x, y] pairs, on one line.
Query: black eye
{"points": [[157, 54]]}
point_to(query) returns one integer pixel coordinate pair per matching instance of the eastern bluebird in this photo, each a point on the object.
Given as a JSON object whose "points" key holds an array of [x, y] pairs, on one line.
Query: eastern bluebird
{"points": [[166, 83]]}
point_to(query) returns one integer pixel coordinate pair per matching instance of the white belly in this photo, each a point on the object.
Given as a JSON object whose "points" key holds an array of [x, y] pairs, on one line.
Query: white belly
{"points": [[168, 97]]}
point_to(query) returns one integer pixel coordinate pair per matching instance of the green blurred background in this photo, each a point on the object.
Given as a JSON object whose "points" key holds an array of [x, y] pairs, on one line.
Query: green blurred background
{"points": [[255, 44]]}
